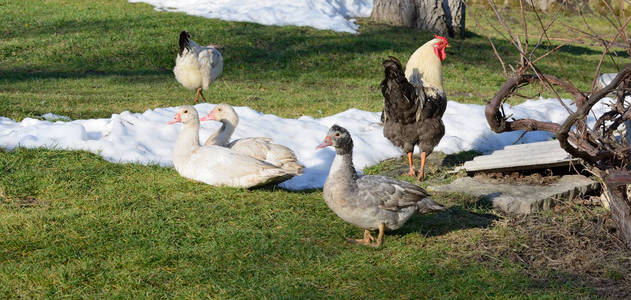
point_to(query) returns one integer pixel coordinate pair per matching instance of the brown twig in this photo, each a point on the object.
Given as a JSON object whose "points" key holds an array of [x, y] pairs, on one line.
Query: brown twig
{"points": [[594, 145], [492, 45]]}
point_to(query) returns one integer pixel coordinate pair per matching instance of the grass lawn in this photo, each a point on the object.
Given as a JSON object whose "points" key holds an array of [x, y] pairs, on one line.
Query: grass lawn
{"points": [[73, 225]]}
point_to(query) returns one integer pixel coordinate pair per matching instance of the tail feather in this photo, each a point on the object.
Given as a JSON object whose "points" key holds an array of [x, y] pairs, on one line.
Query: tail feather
{"points": [[428, 205], [401, 101], [285, 158], [184, 41], [393, 68], [294, 167]]}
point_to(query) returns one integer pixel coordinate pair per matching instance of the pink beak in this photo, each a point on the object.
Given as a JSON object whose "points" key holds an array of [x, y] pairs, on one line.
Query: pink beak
{"points": [[209, 117], [327, 142], [176, 119]]}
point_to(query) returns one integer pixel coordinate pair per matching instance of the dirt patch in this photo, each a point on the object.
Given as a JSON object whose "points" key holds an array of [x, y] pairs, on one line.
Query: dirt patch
{"points": [[23, 202], [517, 178], [577, 242]]}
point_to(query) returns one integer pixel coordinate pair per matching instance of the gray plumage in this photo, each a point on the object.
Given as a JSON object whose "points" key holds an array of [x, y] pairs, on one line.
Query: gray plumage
{"points": [[368, 201]]}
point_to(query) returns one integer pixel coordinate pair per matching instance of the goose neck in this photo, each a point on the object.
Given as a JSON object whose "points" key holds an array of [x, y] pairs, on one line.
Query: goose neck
{"points": [[343, 166], [187, 142], [223, 135]]}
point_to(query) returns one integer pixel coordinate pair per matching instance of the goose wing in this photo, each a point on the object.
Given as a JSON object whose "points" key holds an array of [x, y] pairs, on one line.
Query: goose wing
{"points": [[389, 193]]}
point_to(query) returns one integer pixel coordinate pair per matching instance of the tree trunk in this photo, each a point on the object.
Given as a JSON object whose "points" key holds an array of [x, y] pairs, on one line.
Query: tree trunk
{"points": [[443, 17], [431, 16], [616, 190], [394, 12], [455, 16]]}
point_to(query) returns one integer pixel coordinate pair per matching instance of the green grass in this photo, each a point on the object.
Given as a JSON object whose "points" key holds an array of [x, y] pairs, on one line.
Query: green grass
{"points": [[77, 225], [89, 59], [73, 225]]}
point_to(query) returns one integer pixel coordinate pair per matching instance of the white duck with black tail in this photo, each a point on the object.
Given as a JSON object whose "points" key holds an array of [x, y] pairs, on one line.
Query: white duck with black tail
{"points": [[196, 67], [370, 202]]}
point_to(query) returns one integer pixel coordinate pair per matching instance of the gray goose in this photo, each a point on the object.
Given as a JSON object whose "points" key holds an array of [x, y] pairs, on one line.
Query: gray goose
{"points": [[370, 202]]}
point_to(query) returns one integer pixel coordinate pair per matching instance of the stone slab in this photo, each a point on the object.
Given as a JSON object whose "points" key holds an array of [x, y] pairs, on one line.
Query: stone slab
{"points": [[530, 156], [521, 198]]}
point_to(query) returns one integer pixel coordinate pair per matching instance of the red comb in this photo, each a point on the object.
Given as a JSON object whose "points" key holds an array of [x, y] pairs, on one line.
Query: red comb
{"points": [[444, 39]]}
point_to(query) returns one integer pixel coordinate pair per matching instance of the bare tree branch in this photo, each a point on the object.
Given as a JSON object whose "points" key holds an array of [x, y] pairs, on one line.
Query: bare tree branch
{"points": [[602, 148]]}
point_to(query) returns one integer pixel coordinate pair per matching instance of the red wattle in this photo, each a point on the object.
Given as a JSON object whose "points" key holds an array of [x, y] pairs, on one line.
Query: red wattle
{"points": [[440, 52]]}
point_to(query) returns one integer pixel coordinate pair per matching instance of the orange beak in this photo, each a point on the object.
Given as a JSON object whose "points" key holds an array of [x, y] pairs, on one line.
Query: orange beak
{"points": [[327, 142], [176, 119], [209, 117]]}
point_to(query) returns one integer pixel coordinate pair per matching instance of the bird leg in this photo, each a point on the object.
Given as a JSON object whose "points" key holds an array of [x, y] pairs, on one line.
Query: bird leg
{"points": [[202, 94], [365, 241], [421, 172], [411, 173], [368, 239], [382, 229], [197, 94]]}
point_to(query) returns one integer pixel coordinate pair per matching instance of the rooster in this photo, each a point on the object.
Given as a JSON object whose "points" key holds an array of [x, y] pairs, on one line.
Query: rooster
{"points": [[414, 101], [196, 67]]}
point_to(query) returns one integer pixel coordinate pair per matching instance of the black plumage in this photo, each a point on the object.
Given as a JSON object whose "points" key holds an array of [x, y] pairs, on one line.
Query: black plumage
{"points": [[411, 115], [184, 42], [400, 98]]}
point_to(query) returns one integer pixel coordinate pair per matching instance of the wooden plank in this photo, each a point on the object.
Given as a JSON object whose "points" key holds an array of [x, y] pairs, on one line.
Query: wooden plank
{"points": [[540, 155]]}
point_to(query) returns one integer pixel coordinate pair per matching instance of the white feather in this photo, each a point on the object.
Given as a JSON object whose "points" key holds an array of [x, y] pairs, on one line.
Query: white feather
{"points": [[198, 67], [217, 165], [424, 68]]}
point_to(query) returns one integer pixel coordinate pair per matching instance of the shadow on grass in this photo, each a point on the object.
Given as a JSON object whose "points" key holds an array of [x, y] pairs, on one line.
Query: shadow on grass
{"points": [[23, 74], [453, 219], [275, 187], [569, 49], [251, 50], [452, 160]]}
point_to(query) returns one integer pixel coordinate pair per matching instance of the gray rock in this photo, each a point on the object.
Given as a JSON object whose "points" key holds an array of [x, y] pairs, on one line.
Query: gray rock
{"points": [[521, 199]]}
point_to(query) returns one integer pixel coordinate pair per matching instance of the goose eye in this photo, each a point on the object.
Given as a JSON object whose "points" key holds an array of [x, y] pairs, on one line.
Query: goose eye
{"points": [[219, 109], [186, 111], [337, 134]]}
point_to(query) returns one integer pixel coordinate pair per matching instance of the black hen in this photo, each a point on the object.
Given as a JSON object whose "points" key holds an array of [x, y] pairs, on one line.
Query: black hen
{"points": [[409, 116]]}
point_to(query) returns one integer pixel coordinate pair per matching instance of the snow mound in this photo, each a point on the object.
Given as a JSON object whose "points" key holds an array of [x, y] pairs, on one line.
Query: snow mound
{"points": [[146, 138], [319, 14]]}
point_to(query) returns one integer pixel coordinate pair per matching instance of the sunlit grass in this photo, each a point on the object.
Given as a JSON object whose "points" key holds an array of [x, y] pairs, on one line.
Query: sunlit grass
{"points": [[73, 225]]}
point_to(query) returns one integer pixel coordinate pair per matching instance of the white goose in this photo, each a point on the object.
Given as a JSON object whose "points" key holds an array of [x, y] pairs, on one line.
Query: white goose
{"points": [[261, 148], [196, 67], [216, 165]]}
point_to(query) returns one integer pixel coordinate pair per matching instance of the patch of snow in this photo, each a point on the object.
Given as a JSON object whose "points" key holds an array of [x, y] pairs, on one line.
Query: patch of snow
{"points": [[319, 14], [605, 79], [54, 117], [146, 138]]}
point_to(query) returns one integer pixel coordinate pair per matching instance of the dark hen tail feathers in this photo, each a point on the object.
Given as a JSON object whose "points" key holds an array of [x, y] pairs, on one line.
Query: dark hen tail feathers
{"points": [[393, 67], [184, 41], [428, 205]]}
